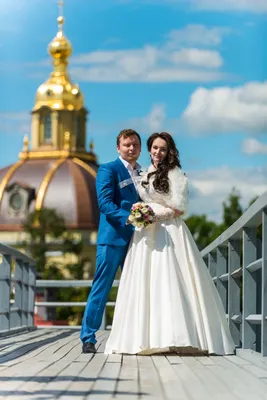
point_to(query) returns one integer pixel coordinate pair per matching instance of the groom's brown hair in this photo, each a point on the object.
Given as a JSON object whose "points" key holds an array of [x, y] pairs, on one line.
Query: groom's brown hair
{"points": [[127, 133]]}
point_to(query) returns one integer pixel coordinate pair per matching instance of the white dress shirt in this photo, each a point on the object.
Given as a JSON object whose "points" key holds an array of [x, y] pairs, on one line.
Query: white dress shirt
{"points": [[132, 171]]}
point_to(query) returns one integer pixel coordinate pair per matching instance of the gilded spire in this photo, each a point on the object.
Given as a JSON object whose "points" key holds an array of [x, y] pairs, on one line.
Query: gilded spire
{"points": [[25, 148], [58, 92], [92, 146], [60, 48]]}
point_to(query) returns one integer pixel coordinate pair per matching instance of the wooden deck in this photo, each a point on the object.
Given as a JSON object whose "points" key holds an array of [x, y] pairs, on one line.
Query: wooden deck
{"points": [[48, 364]]}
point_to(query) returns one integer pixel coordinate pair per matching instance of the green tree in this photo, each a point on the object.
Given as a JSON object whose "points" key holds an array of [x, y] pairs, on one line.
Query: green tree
{"points": [[232, 209], [47, 231], [203, 230], [44, 227]]}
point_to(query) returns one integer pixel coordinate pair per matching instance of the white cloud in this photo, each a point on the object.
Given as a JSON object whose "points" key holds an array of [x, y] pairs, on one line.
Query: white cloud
{"points": [[212, 186], [154, 121], [253, 146], [176, 59], [15, 122], [226, 109], [255, 6], [197, 35], [197, 57]]}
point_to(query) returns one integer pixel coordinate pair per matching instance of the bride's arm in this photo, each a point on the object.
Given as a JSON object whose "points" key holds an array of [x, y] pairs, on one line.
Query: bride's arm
{"points": [[178, 197]]}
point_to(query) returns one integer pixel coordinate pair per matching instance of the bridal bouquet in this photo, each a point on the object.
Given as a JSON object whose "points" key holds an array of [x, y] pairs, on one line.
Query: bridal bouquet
{"points": [[141, 216]]}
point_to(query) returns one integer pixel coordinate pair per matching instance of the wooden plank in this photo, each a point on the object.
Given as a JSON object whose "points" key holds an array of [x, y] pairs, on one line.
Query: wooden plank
{"points": [[253, 358], [218, 389], [259, 388], [32, 353], [205, 360], [236, 387], [237, 360], [20, 350], [23, 338], [106, 381], [101, 342], [256, 371], [150, 385], [14, 379], [128, 385], [114, 358], [36, 385], [57, 349], [60, 383], [81, 387], [174, 359], [197, 389], [171, 387]]}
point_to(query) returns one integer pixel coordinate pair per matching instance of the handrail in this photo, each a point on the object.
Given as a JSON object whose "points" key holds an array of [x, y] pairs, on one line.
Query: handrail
{"points": [[237, 262], [67, 283], [16, 314]]}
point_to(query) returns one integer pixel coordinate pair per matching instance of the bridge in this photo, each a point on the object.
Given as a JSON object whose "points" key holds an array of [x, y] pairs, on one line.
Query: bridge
{"points": [[47, 363]]}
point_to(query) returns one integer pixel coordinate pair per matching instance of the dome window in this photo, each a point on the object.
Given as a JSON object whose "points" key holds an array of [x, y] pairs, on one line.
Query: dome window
{"points": [[47, 128]]}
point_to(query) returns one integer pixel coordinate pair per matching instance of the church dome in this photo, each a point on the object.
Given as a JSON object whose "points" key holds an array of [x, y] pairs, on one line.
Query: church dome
{"points": [[58, 93], [67, 185]]}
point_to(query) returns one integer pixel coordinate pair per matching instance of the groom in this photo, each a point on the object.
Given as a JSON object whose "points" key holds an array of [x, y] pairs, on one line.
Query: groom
{"points": [[116, 194]]}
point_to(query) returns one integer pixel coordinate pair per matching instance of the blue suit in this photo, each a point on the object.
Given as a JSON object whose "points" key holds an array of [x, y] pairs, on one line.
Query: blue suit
{"points": [[116, 194]]}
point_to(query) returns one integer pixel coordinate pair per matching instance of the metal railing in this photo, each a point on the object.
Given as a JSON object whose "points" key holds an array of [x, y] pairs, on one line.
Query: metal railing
{"points": [[17, 290], [71, 284], [237, 262]]}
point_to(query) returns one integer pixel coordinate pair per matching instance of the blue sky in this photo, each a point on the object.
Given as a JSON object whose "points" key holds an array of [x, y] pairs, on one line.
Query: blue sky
{"points": [[194, 68]]}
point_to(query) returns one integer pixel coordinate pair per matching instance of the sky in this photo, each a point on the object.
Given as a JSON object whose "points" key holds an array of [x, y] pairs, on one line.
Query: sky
{"points": [[194, 68]]}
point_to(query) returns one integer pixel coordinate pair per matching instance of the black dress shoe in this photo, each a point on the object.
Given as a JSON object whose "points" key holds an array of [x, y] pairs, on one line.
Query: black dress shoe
{"points": [[89, 347]]}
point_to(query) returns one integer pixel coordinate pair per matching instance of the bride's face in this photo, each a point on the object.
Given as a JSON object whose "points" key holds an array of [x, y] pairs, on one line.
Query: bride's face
{"points": [[158, 151]]}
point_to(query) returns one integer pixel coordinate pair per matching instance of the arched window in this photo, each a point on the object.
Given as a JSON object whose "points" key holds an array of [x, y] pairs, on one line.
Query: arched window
{"points": [[47, 128]]}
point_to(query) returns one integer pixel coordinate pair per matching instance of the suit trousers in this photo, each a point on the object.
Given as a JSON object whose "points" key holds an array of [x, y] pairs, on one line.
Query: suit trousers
{"points": [[108, 260]]}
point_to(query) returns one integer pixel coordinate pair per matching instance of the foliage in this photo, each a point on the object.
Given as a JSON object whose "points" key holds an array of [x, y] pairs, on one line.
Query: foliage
{"points": [[47, 232], [232, 209], [203, 230]]}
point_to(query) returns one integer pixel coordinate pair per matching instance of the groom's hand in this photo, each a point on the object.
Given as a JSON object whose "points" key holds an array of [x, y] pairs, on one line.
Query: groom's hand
{"points": [[177, 213]]}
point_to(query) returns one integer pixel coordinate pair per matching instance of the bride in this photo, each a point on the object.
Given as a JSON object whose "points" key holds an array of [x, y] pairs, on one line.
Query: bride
{"points": [[166, 298]]}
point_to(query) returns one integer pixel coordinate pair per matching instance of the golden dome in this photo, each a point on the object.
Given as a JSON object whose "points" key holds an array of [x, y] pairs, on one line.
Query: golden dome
{"points": [[58, 92]]}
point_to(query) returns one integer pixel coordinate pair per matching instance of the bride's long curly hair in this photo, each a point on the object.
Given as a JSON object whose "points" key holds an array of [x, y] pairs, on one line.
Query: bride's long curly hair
{"points": [[161, 181]]}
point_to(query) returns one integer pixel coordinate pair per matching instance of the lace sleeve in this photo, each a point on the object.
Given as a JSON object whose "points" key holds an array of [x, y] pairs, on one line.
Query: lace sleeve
{"points": [[178, 198]]}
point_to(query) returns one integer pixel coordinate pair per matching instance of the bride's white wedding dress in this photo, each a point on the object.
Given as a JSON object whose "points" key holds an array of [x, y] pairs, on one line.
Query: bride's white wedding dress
{"points": [[166, 297]]}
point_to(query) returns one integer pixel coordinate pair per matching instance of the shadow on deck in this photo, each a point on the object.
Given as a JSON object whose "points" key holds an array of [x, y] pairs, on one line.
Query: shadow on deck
{"points": [[48, 364]]}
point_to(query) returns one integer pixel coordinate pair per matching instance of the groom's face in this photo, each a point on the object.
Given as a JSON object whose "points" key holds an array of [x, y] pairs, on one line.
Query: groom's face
{"points": [[129, 148]]}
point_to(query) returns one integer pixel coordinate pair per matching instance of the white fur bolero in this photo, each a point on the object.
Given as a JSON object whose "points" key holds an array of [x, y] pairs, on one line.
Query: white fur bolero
{"points": [[162, 204]]}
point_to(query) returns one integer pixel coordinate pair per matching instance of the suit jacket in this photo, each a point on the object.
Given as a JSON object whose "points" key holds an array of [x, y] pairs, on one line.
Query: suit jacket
{"points": [[116, 194]]}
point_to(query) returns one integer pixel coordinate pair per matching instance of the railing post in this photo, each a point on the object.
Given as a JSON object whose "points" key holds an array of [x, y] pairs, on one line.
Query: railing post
{"points": [[234, 290], [212, 267], [16, 316], [25, 293], [5, 291], [31, 295], [264, 285], [222, 269], [249, 287]]}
